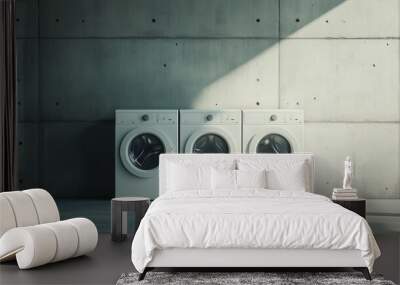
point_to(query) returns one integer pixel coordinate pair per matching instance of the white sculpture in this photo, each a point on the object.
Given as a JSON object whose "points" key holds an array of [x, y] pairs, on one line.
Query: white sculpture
{"points": [[348, 173]]}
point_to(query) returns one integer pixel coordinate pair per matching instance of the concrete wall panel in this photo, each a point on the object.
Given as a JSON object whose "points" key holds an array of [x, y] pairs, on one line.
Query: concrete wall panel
{"points": [[100, 55], [340, 19], [374, 149], [28, 157], [89, 79], [78, 159], [158, 18], [27, 18], [27, 79], [343, 80]]}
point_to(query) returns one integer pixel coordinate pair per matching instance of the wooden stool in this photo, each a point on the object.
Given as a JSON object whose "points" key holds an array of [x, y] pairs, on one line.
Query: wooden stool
{"points": [[119, 214]]}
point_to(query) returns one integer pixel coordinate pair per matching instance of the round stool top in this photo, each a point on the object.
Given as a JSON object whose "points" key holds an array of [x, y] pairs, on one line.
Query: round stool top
{"points": [[130, 199]]}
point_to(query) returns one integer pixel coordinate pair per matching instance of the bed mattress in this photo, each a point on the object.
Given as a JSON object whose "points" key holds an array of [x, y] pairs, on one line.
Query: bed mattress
{"points": [[250, 219]]}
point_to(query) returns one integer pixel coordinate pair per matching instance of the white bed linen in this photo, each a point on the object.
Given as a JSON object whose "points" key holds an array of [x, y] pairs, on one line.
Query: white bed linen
{"points": [[251, 218]]}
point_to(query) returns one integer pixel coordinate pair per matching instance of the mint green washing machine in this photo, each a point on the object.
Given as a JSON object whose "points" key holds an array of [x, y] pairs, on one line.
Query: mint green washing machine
{"points": [[273, 131], [210, 131], [140, 137]]}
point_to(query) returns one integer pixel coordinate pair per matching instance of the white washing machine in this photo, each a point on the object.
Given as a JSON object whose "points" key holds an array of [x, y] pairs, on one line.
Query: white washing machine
{"points": [[140, 137], [273, 131], [210, 131]]}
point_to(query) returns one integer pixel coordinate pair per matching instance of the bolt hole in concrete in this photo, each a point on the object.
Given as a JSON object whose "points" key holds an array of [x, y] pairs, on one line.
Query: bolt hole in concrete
{"points": [[83, 21], [20, 143], [258, 103], [165, 65], [386, 188], [176, 44], [297, 20], [326, 21], [314, 98], [57, 20], [374, 65], [17, 19], [258, 20], [258, 79], [19, 103], [57, 103], [153, 20], [297, 103], [387, 44]]}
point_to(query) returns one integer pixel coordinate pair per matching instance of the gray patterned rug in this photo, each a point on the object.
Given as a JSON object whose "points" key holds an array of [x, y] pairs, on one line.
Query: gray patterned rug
{"points": [[228, 278]]}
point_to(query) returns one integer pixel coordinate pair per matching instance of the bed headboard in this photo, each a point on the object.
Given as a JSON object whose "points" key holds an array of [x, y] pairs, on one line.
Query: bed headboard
{"points": [[213, 159]]}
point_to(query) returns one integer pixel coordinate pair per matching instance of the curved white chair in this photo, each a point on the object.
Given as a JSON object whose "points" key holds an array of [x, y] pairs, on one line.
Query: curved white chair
{"points": [[31, 230]]}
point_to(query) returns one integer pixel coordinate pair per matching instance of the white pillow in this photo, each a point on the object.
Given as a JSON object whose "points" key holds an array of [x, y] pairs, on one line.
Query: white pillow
{"points": [[223, 179], [181, 177], [251, 178], [291, 178], [282, 174]]}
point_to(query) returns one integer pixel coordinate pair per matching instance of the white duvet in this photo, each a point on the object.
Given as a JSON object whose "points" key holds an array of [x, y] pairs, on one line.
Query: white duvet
{"points": [[250, 219]]}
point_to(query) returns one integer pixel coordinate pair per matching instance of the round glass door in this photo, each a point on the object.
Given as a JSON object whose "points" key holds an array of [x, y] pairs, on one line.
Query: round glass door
{"points": [[210, 143], [144, 151], [274, 143]]}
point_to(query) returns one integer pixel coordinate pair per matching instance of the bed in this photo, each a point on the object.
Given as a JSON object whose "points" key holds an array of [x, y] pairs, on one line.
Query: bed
{"points": [[246, 211]]}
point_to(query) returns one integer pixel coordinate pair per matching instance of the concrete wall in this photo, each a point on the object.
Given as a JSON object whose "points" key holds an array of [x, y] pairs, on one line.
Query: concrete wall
{"points": [[81, 59]]}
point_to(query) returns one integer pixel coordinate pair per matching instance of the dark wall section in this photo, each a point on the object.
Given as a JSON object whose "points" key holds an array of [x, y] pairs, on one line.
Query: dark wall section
{"points": [[79, 60], [87, 79], [28, 92]]}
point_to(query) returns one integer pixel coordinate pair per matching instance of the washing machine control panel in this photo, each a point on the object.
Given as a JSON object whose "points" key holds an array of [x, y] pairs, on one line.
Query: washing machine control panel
{"points": [[275, 117], [146, 118], [284, 118], [166, 119], [295, 118], [211, 118], [225, 118]]}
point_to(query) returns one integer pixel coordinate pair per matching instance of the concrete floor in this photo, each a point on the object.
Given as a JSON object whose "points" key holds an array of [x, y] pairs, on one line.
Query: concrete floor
{"points": [[103, 266], [111, 259]]}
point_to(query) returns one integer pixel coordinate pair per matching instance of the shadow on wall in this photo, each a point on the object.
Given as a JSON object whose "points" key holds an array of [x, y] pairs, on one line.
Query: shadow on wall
{"points": [[170, 66], [78, 159], [254, 83], [98, 56]]}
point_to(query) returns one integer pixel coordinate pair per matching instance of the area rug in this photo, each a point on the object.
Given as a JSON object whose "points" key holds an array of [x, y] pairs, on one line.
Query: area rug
{"points": [[269, 278]]}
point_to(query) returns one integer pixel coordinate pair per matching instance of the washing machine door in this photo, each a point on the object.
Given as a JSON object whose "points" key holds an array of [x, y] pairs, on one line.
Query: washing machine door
{"points": [[274, 140], [140, 150], [210, 140]]}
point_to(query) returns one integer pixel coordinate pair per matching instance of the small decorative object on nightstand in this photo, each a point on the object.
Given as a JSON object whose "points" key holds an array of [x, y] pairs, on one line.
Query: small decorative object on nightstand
{"points": [[346, 192], [358, 206], [119, 214], [348, 173]]}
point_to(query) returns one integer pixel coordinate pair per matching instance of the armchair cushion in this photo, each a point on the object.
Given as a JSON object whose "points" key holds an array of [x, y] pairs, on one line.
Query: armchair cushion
{"points": [[7, 220], [37, 245], [31, 232], [45, 206]]}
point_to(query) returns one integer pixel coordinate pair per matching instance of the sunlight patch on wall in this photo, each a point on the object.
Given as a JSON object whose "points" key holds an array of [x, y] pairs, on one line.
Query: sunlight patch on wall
{"points": [[340, 19], [253, 84]]}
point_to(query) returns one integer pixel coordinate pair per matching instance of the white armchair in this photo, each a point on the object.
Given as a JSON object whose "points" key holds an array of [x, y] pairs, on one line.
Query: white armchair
{"points": [[31, 230]]}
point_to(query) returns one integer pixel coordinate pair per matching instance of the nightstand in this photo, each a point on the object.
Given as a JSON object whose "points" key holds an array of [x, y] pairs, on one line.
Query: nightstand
{"points": [[358, 206], [119, 214]]}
